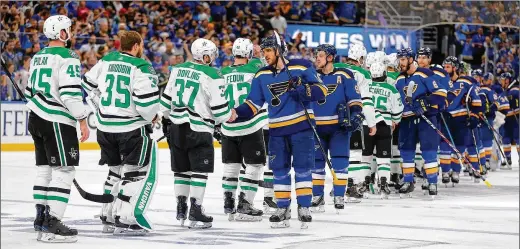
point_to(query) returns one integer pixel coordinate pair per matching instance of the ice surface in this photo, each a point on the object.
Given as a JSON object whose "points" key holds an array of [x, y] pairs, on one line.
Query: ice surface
{"points": [[467, 216]]}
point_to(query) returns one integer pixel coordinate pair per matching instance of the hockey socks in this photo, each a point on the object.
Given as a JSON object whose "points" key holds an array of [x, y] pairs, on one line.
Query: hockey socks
{"points": [[282, 187], [198, 186], [59, 190], [182, 184], [268, 183], [41, 184], [432, 171], [249, 183], [303, 182], [356, 170], [318, 178], [230, 177]]}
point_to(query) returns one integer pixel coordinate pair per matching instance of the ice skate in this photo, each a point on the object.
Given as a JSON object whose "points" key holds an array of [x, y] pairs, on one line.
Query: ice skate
{"points": [[38, 221], [507, 165], [476, 176], [182, 209], [385, 188], [122, 229], [108, 227], [366, 187], [353, 195], [454, 178], [445, 178], [424, 186], [318, 204], [229, 205], [406, 190], [394, 179], [54, 231], [466, 171], [304, 216], [280, 219], [246, 211], [269, 205], [432, 190], [339, 203], [197, 215], [488, 165]]}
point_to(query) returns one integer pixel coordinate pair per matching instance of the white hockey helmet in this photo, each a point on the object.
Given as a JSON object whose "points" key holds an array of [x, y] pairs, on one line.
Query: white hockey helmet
{"points": [[54, 24], [243, 47], [371, 59], [201, 47], [391, 60], [378, 69], [356, 52], [380, 56]]}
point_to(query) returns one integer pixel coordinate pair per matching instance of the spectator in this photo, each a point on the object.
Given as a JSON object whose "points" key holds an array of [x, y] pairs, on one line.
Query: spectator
{"points": [[278, 22], [90, 46], [477, 42], [306, 12], [157, 62], [5, 83], [10, 55], [22, 76], [347, 12]]}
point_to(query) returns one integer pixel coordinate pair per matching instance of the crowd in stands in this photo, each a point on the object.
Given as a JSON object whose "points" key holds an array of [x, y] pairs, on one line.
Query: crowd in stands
{"points": [[169, 27]]}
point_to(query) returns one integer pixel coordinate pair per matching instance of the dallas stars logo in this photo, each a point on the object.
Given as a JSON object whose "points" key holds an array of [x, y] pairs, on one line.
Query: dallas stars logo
{"points": [[73, 153]]}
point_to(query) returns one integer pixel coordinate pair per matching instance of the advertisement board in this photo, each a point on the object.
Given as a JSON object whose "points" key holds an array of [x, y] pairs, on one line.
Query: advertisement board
{"points": [[374, 39], [15, 135]]}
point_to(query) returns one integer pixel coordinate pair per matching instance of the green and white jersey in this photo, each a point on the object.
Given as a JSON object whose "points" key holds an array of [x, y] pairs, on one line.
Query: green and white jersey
{"points": [[129, 96], [392, 77], [387, 101], [238, 85], [54, 88], [194, 94], [363, 79]]}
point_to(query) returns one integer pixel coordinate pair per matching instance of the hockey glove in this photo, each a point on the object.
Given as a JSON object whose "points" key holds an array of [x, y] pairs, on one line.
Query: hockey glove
{"points": [[166, 123], [420, 106], [295, 82], [217, 134], [472, 121], [356, 120], [301, 93]]}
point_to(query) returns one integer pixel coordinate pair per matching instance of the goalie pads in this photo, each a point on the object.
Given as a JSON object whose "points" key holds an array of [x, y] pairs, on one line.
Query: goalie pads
{"points": [[500, 119], [135, 196]]}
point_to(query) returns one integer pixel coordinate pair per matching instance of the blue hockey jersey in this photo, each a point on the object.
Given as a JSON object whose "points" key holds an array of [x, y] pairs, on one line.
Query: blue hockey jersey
{"points": [[341, 88], [442, 77], [457, 94], [503, 103], [421, 84], [286, 116], [490, 100], [512, 95]]}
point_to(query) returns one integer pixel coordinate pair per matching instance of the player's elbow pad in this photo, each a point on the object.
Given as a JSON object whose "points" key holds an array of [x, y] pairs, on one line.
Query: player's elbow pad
{"points": [[76, 108]]}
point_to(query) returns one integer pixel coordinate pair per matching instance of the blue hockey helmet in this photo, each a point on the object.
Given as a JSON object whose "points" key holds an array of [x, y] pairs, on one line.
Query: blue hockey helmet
{"points": [[270, 42], [488, 76], [451, 60], [506, 76], [477, 72], [327, 48], [405, 52], [425, 51]]}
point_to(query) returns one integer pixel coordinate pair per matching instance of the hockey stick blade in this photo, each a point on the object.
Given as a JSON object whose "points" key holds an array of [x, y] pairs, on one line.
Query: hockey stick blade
{"points": [[104, 198]]}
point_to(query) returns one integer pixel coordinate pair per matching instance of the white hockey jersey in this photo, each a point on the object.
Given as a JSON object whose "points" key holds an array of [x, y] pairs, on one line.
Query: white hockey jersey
{"points": [[54, 91], [195, 95], [387, 101], [129, 96]]}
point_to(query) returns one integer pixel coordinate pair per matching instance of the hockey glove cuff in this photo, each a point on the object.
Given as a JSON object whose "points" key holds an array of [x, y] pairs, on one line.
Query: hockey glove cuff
{"points": [[356, 120], [472, 121], [295, 82], [166, 123]]}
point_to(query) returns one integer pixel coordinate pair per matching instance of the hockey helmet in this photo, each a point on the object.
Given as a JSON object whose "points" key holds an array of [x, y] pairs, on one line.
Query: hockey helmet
{"points": [[54, 25], [377, 70], [243, 47], [201, 47], [356, 52]]}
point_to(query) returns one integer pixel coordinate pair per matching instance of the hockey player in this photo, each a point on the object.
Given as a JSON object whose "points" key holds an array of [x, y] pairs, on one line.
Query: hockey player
{"points": [[424, 58], [422, 97], [459, 121], [489, 103], [388, 102], [194, 101], [511, 91], [290, 131], [333, 126], [392, 62], [243, 140], [358, 173], [55, 101], [123, 87]]}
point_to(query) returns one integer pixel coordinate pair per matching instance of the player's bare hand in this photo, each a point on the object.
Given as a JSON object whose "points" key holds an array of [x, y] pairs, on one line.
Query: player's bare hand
{"points": [[393, 126], [156, 119], [372, 131], [85, 131], [233, 116]]}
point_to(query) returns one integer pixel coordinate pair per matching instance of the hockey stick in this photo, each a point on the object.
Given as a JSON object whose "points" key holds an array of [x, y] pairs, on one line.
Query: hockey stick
{"points": [[497, 139], [457, 152], [451, 137], [104, 198], [279, 48]]}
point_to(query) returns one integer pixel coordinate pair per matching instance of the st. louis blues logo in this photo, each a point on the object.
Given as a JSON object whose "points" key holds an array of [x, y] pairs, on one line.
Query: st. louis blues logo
{"points": [[276, 90], [330, 89]]}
